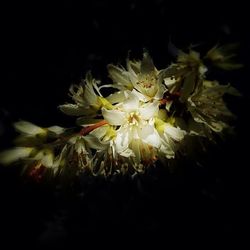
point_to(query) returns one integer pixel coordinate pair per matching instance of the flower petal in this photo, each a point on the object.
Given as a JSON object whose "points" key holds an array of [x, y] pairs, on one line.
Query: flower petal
{"points": [[56, 129], [94, 142], [116, 97], [149, 135], [140, 96], [167, 150], [175, 133], [100, 132], [149, 110], [135, 146], [46, 157], [132, 102], [147, 65], [127, 153], [28, 128], [118, 76], [114, 117], [75, 110], [122, 140], [9, 156]]}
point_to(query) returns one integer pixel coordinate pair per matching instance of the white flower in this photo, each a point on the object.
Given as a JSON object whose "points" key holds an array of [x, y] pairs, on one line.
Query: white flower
{"points": [[136, 123], [142, 76], [31, 134], [208, 107], [79, 150], [128, 130], [106, 161], [222, 57], [185, 76], [87, 97], [45, 157], [170, 137]]}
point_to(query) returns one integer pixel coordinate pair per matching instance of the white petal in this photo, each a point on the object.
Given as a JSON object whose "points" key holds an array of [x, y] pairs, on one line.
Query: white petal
{"points": [[169, 81], [127, 153], [134, 67], [60, 158], [195, 128], [75, 110], [160, 92], [116, 97], [167, 150], [176, 133], [168, 105], [133, 71], [9, 156], [56, 129], [149, 135], [79, 146], [118, 75], [140, 96], [46, 157], [28, 128], [132, 102], [94, 142], [89, 95], [48, 160], [114, 117], [147, 65], [149, 110], [100, 132], [122, 140], [135, 146]]}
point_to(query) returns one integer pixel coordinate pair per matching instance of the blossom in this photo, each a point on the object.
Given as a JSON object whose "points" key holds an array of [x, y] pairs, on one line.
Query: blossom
{"points": [[142, 76], [31, 134], [106, 160], [136, 121], [87, 97], [184, 76], [208, 107], [170, 137], [146, 118], [222, 56]]}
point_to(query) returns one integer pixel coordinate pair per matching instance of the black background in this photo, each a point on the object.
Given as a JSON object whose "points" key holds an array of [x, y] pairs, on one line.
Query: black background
{"points": [[47, 46]]}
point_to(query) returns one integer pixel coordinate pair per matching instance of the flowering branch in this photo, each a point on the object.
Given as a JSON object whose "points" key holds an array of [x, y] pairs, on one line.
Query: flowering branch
{"points": [[147, 119]]}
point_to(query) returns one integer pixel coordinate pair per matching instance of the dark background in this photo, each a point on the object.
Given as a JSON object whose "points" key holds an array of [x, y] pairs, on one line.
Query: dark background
{"points": [[47, 46]]}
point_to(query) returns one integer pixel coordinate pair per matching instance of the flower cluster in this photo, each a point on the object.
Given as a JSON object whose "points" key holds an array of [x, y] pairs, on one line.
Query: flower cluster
{"points": [[146, 118]]}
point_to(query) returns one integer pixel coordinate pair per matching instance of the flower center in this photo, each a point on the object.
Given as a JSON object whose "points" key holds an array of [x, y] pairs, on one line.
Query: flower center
{"points": [[134, 118], [147, 81]]}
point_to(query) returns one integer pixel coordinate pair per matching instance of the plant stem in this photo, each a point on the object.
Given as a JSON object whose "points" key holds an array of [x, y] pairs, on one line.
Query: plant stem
{"points": [[88, 129]]}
